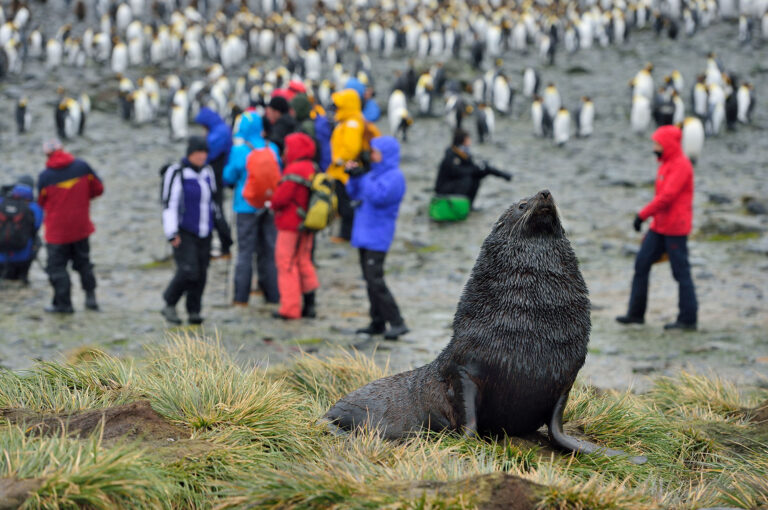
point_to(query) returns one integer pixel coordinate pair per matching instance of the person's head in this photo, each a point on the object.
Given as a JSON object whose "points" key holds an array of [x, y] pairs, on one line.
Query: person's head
{"points": [[461, 138], [51, 146], [277, 107], [26, 180], [197, 150], [375, 155], [667, 142]]}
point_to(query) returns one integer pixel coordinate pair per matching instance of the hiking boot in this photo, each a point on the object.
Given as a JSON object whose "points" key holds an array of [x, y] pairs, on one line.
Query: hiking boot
{"points": [[628, 319], [395, 331], [682, 326], [195, 318], [308, 311], [169, 312], [374, 328], [239, 304], [59, 309], [90, 301], [339, 240], [278, 315]]}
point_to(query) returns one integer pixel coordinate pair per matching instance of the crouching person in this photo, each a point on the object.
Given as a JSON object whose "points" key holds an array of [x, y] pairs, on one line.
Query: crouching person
{"points": [[20, 219], [188, 190], [296, 276], [380, 192]]}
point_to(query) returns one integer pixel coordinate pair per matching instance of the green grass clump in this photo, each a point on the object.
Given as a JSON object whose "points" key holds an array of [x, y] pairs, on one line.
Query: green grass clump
{"points": [[253, 441]]}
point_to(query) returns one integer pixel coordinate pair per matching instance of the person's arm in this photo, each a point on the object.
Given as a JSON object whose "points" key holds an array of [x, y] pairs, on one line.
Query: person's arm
{"points": [[676, 181], [351, 141], [172, 189], [232, 173], [95, 186], [38, 212], [354, 187], [283, 195]]}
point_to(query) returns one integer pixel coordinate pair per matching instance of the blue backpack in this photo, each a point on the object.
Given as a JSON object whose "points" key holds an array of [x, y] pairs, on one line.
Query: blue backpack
{"points": [[323, 131]]}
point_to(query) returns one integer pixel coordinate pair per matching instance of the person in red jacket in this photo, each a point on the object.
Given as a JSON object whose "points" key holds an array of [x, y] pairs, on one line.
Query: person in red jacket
{"points": [[296, 276], [66, 188], [672, 213]]}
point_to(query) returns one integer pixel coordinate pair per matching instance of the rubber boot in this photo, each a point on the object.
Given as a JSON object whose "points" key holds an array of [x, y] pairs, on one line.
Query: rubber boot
{"points": [[90, 301], [308, 311]]}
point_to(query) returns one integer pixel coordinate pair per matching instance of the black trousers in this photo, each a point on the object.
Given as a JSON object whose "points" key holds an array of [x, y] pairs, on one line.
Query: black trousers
{"points": [[346, 211], [219, 221], [383, 306], [15, 270], [59, 256], [191, 257]]}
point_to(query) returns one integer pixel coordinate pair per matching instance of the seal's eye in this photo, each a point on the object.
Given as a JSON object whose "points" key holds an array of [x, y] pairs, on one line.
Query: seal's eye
{"points": [[523, 206]]}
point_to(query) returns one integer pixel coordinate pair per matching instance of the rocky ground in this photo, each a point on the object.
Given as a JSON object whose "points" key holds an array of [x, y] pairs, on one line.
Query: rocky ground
{"points": [[599, 183]]}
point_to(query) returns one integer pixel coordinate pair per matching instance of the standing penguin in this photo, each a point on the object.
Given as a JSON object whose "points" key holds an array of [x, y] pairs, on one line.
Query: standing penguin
{"points": [[485, 122], [22, 115], [693, 138], [503, 95], [540, 118], [530, 82], [585, 117], [700, 98], [85, 109], [745, 102], [561, 127], [395, 104], [178, 123], [640, 116], [552, 102]]}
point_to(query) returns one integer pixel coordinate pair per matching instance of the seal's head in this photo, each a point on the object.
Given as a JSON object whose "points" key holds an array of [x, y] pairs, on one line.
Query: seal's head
{"points": [[532, 216]]}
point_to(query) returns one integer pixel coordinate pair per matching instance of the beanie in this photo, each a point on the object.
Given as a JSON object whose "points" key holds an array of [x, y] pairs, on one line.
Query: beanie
{"points": [[458, 137], [196, 143], [26, 180], [280, 104]]}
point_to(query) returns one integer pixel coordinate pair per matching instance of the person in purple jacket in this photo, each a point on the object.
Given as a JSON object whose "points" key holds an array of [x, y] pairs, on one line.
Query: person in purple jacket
{"points": [[380, 192]]}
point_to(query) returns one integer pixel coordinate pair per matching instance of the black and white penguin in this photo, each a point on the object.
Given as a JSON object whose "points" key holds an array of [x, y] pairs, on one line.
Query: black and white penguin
{"points": [[68, 118], [699, 97], [85, 110], [179, 124], [423, 96], [561, 127], [693, 138], [585, 117], [531, 81], [485, 121], [395, 103], [23, 116], [745, 101], [552, 101], [640, 115], [542, 121], [456, 109], [503, 95]]}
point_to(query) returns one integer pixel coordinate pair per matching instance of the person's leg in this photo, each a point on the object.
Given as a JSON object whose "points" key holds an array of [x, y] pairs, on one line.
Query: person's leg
{"points": [[386, 307], [473, 186], [247, 228], [378, 324], [346, 212], [58, 257], [307, 273], [288, 274], [677, 249], [186, 268], [222, 230], [265, 257], [81, 262], [650, 251], [202, 257]]}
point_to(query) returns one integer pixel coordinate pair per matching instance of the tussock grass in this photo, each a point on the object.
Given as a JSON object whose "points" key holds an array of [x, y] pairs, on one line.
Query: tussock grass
{"points": [[254, 442]]}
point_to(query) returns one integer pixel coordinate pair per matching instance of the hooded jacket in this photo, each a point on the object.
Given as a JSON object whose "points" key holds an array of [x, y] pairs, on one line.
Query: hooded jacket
{"points": [[23, 192], [66, 188], [347, 137], [290, 196], [302, 108], [371, 110], [457, 173], [380, 191], [249, 130], [219, 137], [672, 206]]}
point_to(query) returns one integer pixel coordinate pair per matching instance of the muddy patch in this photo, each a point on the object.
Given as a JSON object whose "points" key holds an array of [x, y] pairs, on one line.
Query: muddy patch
{"points": [[14, 492], [134, 421], [759, 414], [495, 491]]}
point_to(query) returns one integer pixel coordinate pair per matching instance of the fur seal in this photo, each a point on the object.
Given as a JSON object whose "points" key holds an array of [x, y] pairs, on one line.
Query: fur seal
{"points": [[520, 337]]}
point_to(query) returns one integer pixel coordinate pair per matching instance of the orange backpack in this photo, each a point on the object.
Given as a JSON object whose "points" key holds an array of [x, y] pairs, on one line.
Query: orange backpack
{"points": [[262, 176]]}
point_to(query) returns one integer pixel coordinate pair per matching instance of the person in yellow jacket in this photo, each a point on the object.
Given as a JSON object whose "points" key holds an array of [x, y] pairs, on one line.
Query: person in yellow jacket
{"points": [[346, 146]]}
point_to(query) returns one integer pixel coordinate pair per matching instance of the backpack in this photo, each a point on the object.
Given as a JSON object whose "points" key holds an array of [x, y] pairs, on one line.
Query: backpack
{"points": [[262, 176], [17, 225], [323, 203], [449, 208], [323, 131], [165, 197]]}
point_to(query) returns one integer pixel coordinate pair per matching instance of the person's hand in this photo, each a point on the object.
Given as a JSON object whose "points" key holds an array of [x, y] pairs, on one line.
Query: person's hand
{"points": [[176, 241], [638, 223]]}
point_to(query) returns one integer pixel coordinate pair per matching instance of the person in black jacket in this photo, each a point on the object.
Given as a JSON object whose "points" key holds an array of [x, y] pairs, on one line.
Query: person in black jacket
{"points": [[281, 122], [459, 174]]}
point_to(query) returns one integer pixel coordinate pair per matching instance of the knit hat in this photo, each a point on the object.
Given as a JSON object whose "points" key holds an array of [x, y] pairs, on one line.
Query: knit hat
{"points": [[458, 137], [196, 143], [51, 145], [280, 104], [26, 180]]}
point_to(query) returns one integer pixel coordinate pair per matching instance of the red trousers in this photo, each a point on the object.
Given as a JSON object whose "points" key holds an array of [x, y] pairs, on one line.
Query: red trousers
{"points": [[295, 272]]}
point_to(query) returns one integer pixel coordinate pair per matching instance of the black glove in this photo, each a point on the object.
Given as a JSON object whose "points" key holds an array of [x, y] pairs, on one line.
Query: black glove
{"points": [[489, 170], [638, 223], [355, 171]]}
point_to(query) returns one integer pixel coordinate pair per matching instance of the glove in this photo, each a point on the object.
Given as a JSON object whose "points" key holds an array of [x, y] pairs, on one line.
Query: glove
{"points": [[638, 223], [507, 176], [354, 170]]}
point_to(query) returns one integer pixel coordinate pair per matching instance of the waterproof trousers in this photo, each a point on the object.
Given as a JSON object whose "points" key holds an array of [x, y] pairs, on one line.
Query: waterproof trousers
{"points": [[383, 308], [59, 256], [653, 247], [296, 274], [256, 235], [346, 211], [192, 257]]}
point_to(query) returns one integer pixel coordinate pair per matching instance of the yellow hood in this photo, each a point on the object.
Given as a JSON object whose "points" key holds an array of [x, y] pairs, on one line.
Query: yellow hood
{"points": [[347, 105]]}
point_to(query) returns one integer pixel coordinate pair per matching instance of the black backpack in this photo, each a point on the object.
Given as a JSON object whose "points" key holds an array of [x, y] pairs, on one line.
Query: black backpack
{"points": [[17, 225]]}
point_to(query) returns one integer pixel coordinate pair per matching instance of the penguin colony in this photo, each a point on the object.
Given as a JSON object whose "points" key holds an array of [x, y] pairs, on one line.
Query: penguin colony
{"points": [[126, 36]]}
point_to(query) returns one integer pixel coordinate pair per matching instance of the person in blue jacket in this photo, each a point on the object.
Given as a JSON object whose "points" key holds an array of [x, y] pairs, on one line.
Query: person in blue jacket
{"points": [[15, 266], [256, 232], [380, 192], [371, 110], [219, 140]]}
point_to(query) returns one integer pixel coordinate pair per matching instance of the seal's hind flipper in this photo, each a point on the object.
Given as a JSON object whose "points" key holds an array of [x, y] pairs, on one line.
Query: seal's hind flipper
{"points": [[566, 442], [469, 398], [332, 428]]}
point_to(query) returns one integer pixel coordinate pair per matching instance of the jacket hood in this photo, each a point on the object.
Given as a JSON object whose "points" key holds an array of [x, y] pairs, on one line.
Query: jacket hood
{"points": [[22, 191], [390, 153], [301, 107], [670, 138], [59, 159], [347, 103], [208, 118], [249, 127], [298, 146], [357, 86]]}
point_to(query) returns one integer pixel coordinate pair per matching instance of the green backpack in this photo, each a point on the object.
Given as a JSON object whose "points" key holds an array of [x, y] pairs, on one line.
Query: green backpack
{"points": [[449, 208]]}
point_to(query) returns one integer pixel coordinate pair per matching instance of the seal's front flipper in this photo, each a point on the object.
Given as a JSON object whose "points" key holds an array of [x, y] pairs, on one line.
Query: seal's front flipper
{"points": [[566, 442], [469, 399]]}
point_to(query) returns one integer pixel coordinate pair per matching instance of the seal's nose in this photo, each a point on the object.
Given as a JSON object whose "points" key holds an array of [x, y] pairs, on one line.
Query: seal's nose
{"points": [[545, 194]]}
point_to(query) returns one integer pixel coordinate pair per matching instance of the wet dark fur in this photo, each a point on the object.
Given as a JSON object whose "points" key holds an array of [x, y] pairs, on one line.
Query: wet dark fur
{"points": [[520, 334]]}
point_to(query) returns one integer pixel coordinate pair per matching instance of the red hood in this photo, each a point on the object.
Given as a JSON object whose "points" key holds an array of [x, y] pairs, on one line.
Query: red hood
{"points": [[669, 137], [59, 159], [298, 146]]}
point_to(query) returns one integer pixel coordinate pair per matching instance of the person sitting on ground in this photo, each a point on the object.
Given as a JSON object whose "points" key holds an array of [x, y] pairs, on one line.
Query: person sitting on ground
{"points": [[296, 275], [65, 190], [19, 202], [380, 192], [459, 174], [281, 122], [219, 140], [188, 189], [256, 233]]}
